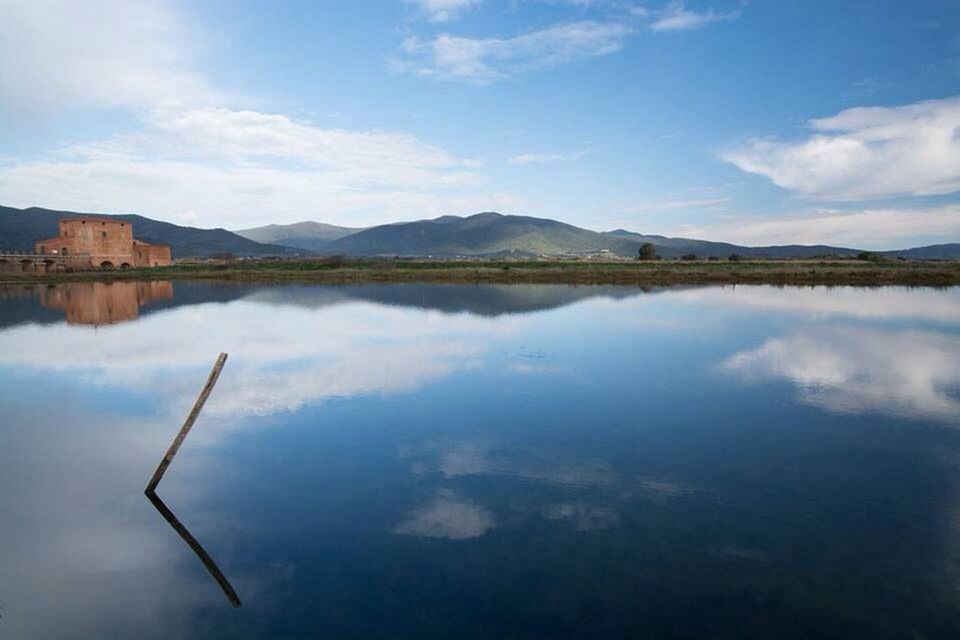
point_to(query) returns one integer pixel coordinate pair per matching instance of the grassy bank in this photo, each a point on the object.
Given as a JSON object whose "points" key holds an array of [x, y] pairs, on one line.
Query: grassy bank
{"points": [[800, 272]]}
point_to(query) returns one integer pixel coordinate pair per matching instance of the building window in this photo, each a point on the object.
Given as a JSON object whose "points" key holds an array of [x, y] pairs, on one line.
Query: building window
{"points": [[63, 251], [104, 234]]}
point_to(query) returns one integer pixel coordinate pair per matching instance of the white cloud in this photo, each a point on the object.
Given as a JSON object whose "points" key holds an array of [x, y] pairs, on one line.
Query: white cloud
{"points": [[856, 370], [866, 152], [235, 165], [487, 59], [878, 228], [355, 157], [57, 54], [448, 516], [676, 17], [444, 10], [541, 158], [191, 161]]}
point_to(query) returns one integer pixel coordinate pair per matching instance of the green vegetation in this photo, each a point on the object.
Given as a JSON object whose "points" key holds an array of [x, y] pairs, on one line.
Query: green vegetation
{"points": [[647, 252], [340, 270]]}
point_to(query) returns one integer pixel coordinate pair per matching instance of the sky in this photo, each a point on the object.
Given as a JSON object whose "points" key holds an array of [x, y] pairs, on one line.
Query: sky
{"points": [[757, 122]]}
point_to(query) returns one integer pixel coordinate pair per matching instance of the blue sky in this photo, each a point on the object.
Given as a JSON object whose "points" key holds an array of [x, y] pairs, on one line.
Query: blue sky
{"points": [[756, 122]]}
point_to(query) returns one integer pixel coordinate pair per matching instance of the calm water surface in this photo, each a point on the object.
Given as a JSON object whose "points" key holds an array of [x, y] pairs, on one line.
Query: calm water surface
{"points": [[414, 461]]}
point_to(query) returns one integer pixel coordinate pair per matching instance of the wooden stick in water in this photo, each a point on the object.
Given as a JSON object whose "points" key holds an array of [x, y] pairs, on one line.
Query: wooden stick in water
{"points": [[185, 429]]}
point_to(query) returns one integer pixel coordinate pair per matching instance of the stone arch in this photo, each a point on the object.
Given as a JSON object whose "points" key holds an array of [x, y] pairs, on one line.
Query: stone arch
{"points": [[6, 265], [125, 265], [106, 264], [27, 266], [49, 266]]}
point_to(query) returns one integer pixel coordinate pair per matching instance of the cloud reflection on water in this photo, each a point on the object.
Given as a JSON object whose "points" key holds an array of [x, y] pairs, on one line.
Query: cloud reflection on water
{"points": [[912, 374], [279, 361], [583, 516], [471, 458], [883, 303], [60, 539], [447, 516]]}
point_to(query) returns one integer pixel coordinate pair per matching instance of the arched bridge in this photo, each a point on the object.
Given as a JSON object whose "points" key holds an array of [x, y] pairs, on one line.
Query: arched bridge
{"points": [[41, 263]]}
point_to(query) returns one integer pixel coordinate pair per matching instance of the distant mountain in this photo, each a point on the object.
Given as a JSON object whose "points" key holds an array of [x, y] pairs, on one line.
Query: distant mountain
{"points": [[483, 234], [20, 228], [673, 247], [312, 236], [931, 252], [493, 234]]}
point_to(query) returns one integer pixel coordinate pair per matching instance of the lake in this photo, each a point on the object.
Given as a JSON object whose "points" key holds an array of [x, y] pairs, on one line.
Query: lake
{"points": [[500, 461]]}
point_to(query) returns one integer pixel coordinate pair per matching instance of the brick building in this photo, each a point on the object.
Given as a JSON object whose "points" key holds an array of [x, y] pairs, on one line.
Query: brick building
{"points": [[105, 243]]}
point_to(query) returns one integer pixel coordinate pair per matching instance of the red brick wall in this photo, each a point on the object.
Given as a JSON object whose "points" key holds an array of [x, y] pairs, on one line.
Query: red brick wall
{"points": [[160, 255]]}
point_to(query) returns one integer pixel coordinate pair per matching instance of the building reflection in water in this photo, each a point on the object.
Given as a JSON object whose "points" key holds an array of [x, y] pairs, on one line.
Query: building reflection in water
{"points": [[196, 547], [99, 303]]}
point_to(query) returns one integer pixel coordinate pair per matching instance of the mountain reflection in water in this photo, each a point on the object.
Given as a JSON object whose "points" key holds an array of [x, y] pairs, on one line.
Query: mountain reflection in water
{"points": [[420, 461]]}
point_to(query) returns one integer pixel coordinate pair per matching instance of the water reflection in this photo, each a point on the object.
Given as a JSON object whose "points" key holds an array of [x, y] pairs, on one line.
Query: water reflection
{"points": [[914, 374], [100, 303], [282, 362], [583, 516], [425, 462], [885, 303], [196, 547], [468, 458], [447, 516], [490, 300]]}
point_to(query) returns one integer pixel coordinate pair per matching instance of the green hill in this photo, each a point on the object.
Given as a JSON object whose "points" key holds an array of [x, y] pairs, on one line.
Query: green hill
{"points": [[311, 236], [493, 234], [483, 234]]}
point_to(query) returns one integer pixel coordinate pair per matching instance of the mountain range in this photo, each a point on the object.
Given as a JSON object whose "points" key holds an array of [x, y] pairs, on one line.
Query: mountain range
{"points": [[492, 234], [486, 234]]}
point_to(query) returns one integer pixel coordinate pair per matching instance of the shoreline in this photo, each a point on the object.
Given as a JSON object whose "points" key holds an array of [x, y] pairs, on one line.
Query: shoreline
{"points": [[776, 272]]}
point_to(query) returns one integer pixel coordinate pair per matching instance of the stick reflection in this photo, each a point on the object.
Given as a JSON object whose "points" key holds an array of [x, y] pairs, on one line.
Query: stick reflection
{"points": [[197, 548]]}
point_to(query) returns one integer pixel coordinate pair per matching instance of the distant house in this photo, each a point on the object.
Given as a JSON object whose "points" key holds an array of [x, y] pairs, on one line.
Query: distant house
{"points": [[104, 243]]}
